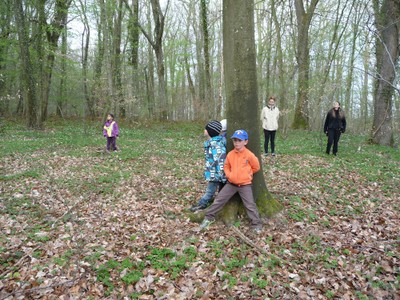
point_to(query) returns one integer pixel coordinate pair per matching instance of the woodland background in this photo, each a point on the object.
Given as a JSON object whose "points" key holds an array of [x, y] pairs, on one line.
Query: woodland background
{"points": [[162, 60]]}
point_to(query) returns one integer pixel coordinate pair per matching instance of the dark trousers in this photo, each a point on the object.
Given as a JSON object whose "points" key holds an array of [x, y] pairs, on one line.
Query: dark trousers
{"points": [[227, 192], [269, 135], [111, 143], [333, 138]]}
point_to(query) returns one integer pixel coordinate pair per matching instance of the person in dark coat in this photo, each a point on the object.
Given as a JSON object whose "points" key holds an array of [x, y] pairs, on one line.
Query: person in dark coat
{"points": [[335, 125]]}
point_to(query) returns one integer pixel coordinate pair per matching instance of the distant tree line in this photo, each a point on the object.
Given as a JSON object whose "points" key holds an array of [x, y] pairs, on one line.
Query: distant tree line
{"points": [[163, 60]]}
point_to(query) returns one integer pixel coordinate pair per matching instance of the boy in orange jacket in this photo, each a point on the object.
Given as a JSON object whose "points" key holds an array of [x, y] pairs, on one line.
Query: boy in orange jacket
{"points": [[239, 167]]}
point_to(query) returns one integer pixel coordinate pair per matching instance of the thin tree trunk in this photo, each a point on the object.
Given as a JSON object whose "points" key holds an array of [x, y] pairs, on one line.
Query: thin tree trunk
{"points": [[207, 72], [117, 80], [282, 91], [63, 76], [53, 33], [159, 20], [301, 116], [133, 38], [85, 57], [365, 86], [98, 82], [28, 83]]}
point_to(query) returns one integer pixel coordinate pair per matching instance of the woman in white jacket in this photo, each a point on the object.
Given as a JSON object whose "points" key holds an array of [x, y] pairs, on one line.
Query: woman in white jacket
{"points": [[269, 119]]}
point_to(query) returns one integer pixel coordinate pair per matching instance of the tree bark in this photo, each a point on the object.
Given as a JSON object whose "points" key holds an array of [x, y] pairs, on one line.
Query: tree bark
{"points": [[242, 94], [387, 55], [159, 20]]}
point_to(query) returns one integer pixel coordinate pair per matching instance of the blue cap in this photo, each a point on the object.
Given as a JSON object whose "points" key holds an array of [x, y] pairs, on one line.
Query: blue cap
{"points": [[240, 134]]}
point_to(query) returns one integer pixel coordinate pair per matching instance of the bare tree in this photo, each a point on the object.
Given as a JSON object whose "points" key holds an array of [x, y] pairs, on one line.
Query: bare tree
{"points": [[157, 45], [304, 17], [206, 53], [133, 40], [53, 32], [85, 58], [117, 59], [63, 76]]}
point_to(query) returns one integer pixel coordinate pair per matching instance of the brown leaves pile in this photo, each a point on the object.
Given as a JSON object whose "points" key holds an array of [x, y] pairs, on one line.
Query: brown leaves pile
{"points": [[338, 236]]}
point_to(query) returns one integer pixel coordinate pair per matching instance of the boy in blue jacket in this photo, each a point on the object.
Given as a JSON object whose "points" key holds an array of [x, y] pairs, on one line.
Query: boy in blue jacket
{"points": [[215, 154]]}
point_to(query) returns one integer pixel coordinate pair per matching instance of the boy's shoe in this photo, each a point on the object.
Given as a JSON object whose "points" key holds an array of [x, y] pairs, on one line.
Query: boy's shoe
{"points": [[257, 230], [206, 223], [197, 207], [273, 154]]}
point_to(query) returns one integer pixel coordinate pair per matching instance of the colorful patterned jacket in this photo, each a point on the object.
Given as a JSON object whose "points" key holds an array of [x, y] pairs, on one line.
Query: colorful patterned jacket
{"points": [[215, 154]]}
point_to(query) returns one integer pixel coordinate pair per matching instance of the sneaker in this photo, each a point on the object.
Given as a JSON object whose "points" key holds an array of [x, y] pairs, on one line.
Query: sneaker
{"points": [[257, 230], [273, 154], [266, 154], [206, 223], [197, 207]]}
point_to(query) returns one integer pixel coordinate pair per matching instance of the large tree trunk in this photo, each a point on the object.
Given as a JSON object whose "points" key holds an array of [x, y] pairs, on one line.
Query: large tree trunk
{"points": [[387, 55], [28, 82], [301, 116], [241, 91]]}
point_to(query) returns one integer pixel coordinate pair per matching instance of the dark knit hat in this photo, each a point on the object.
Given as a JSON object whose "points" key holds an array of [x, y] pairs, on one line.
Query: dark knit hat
{"points": [[213, 128]]}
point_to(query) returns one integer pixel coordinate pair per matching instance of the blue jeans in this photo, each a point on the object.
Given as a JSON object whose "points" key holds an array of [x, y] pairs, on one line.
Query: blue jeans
{"points": [[212, 187]]}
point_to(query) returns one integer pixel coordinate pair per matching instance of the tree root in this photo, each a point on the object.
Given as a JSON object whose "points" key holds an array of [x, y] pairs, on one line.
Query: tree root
{"points": [[247, 240]]}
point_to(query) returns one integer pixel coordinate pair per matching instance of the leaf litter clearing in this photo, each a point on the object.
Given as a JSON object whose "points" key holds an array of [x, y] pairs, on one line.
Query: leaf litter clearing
{"points": [[331, 240]]}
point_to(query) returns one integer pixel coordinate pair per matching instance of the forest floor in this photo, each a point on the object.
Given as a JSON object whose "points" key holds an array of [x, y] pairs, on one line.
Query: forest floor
{"points": [[78, 223]]}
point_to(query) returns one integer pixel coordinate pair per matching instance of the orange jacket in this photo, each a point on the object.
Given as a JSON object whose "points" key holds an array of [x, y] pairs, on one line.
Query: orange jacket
{"points": [[240, 166]]}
